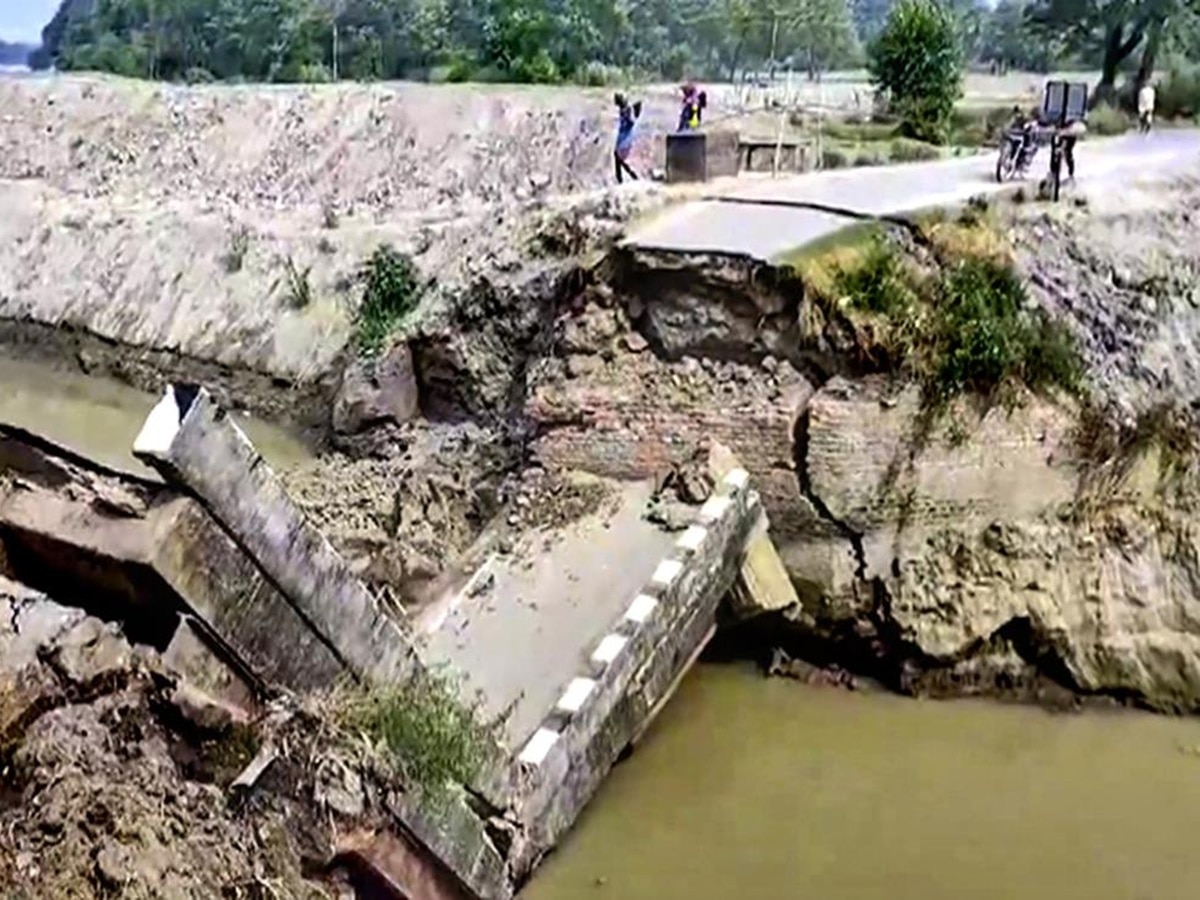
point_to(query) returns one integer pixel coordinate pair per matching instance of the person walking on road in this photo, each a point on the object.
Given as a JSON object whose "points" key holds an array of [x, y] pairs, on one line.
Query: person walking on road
{"points": [[627, 116], [1145, 107]]}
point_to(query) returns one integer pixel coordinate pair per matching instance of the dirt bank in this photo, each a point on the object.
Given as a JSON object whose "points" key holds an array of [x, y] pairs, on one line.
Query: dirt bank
{"points": [[220, 232], [119, 780], [990, 549]]}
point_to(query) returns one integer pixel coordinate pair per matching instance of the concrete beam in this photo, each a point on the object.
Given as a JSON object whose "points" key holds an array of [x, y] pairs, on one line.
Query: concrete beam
{"points": [[196, 446]]}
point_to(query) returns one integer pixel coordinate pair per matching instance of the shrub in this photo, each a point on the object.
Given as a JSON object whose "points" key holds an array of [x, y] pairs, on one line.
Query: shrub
{"points": [[969, 328], [391, 290], [878, 280], [984, 335], [537, 69], [1107, 120], [832, 158], [1178, 95], [430, 737], [916, 61], [598, 74], [907, 150]]}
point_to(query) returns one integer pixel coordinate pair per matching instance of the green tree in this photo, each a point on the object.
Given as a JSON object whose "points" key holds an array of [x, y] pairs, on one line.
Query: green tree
{"points": [[916, 63], [820, 34], [1107, 31], [1009, 42]]}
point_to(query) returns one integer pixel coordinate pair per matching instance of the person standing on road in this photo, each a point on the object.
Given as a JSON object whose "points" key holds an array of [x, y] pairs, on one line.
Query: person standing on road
{"points": [[627, 116], [694, 102], [1069, 135], [1145, 107]]}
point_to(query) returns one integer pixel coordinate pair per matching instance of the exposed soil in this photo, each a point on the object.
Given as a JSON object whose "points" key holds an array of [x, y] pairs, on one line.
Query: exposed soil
{"points": [[120, 782]]}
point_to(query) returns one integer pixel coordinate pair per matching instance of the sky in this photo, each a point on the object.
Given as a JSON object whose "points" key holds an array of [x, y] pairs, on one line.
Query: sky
{"points": [[23, 20]]}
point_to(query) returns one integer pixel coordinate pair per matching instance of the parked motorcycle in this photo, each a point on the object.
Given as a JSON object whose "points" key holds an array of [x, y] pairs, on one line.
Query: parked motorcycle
{"points": [[1018, 146]]}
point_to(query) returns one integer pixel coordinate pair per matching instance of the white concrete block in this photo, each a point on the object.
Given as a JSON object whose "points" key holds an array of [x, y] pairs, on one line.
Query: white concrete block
{"points": [[691, 539], [576, 695], [737, 479], [159, 430], [539, 746], [608, 649], [714, 508], [668, 570], [641, 608]]}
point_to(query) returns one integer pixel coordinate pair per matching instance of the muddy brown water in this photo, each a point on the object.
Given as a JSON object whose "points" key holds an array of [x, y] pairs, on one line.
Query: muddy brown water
{"points": [[100, 417], [772, 790]]}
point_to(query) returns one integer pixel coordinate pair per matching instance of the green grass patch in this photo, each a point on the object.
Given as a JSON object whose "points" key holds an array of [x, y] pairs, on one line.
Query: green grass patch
{"points": [[391, 291], [422, 729], [978, 126], [859, 132], [846, 242], [907, 150], [1107, 120], [964, 326], [983, 335]]}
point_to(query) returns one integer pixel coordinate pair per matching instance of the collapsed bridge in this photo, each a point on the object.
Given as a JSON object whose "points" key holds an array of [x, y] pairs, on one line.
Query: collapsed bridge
{"points": [[207, 559]]}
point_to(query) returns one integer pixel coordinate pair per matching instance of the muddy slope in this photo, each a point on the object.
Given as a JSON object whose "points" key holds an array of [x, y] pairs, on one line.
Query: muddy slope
{"points": [[992, 551]]}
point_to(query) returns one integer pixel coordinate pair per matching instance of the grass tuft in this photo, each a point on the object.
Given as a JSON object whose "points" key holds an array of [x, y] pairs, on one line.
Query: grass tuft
{"points": [[422, 729], [391, 290]]}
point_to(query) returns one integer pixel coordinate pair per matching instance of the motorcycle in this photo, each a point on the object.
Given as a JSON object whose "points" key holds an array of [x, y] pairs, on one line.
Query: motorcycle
{"points": [[1017, 149]]}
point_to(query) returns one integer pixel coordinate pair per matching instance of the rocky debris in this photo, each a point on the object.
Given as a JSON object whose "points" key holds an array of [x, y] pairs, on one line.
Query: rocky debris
{"points": [[94, 801], [784, 666], [404, 519], [549, 500], [118, 780], [377, 391], [1124, 270]]}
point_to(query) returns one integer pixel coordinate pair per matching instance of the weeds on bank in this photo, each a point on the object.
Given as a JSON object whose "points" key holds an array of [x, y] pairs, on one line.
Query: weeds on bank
{"points": [[966, 326], [391, 290], [421, 729], [1109, 450], [983, 336], [239, 246], [297, 284]]}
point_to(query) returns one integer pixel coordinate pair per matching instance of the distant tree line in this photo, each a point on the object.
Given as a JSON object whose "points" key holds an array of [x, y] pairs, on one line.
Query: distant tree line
{"points": [[589, 41], [14, 54]]}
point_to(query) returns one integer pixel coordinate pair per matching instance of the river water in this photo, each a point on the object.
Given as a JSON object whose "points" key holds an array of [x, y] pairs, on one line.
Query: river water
{"points": [[767, 789], [755, 789], [101, 417]]}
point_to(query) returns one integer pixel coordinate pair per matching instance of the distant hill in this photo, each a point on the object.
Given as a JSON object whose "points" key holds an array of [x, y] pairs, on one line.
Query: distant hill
{"points": [[14, 54]]}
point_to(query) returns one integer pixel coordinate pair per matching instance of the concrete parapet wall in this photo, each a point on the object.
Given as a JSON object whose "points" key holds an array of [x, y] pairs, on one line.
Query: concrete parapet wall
{"points": [[602, 710]]}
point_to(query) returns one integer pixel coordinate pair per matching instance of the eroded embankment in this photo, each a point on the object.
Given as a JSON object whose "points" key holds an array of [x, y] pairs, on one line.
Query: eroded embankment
{"points": [[997, 545]]}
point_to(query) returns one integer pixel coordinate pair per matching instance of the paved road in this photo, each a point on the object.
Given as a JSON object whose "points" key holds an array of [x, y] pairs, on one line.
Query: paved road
{"points": [[736, 225]]}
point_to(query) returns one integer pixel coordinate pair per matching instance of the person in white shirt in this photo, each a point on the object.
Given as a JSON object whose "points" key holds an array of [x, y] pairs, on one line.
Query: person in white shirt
{"points": [[1145, 106]]}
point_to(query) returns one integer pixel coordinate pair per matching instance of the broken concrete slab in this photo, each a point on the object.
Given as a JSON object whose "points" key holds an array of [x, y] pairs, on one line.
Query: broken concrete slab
{"points": [[629, 670], [194, 444]]}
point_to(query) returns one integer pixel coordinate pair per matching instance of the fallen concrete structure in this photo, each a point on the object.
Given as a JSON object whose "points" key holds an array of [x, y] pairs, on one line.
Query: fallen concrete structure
{"points": [[215, 566]]}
